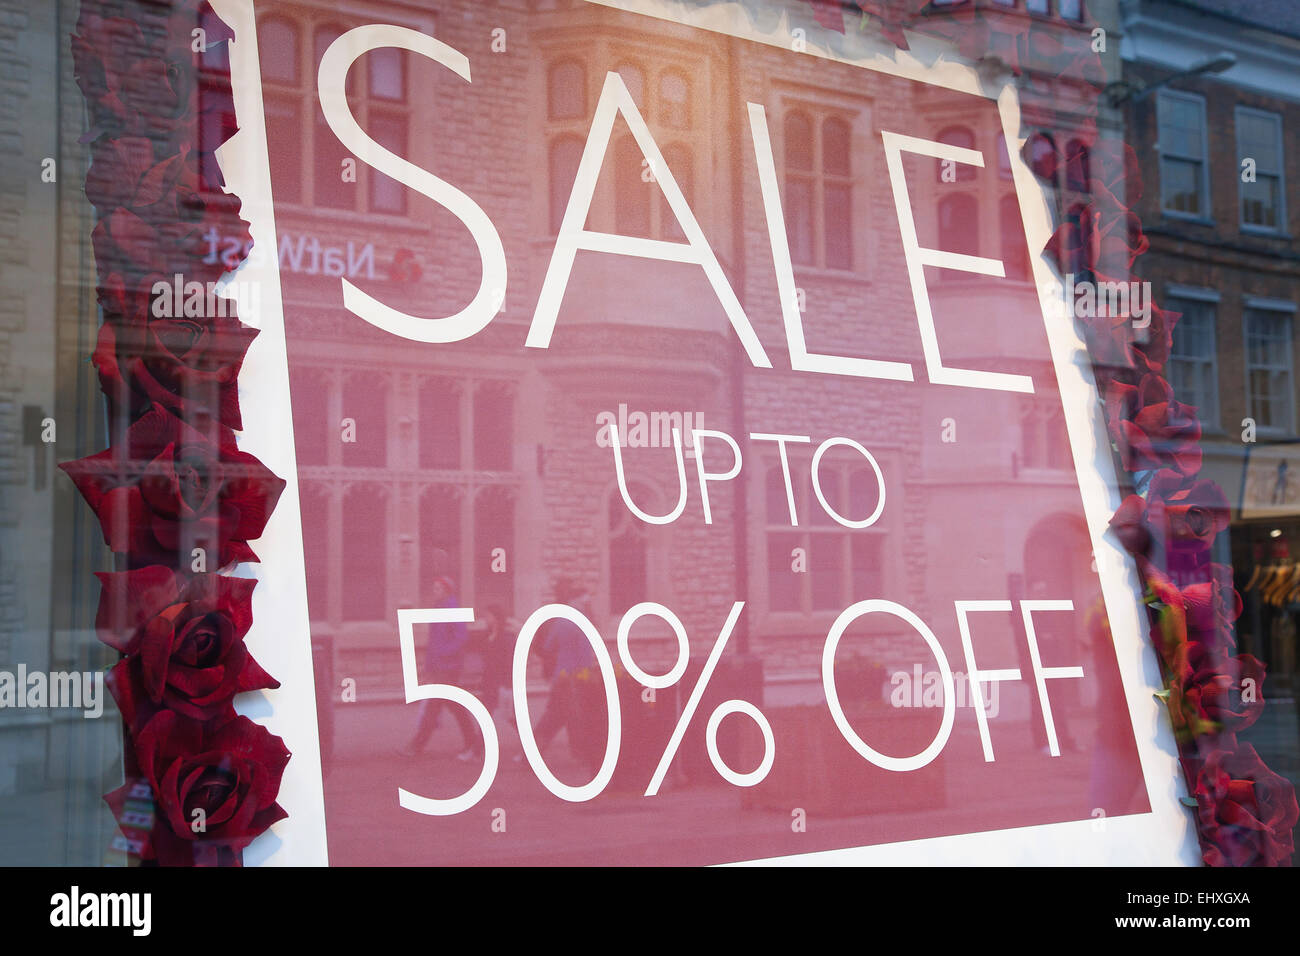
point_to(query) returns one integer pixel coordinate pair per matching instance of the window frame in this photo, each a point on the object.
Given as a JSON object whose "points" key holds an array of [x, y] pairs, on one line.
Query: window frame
{"points": [[1210, 299], [1203, 192], [1281, 309], [1280, 173], [817, 115]]}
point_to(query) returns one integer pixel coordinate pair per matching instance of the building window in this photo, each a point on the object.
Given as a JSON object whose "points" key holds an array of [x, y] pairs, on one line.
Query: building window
{"points": [[632, 185], [840, 564], [1184, 183], [634, 79], [961, 137], [1269, 397], [1193, 371], [296, 128], [1015, 247], [1259, 145], [1071, 9], [678, 158], [959, 231], [1044, 441], [674, 100], [1038, 6], [567, 91], [566, 154], [818, 200]]}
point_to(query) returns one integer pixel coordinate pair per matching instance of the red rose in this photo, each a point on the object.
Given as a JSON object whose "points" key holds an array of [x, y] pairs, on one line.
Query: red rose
{"points": [[183, 638], [1153, 430], [1190, 513], [214, 787], [1130, 525], [1213, 605], [1213, 693], [188, 365], [166, 488], [1246, 811]]}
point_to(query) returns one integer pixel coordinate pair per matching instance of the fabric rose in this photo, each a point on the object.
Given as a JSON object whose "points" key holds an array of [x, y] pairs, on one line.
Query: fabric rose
{"points": [[1216, 693], [1153, 430], [166, 489], [188, 365], [214, 787], [1213, 605], [183, 638], [1189, 513], [1130, 525], [1246, 811]]}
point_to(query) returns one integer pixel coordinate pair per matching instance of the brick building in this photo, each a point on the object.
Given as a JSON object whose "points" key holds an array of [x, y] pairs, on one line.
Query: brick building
{"points": [[1220, 158]]}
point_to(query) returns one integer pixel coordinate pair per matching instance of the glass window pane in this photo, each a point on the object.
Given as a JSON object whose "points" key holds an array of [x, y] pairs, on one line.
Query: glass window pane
{"points": [[439, 428], [799, 220], [782, 581], [835, 147], [674, 100], [798, 142], [566, 153], [386, 193], [567, 91], [1180, 182], [631, 191], [494, 418], [839, 228], [386, 73], [826, 571], [634, 79], [278, 42]]}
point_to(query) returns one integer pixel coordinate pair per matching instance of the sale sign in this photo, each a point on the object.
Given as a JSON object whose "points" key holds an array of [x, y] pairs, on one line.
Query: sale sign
{"points": [[682, 459]]}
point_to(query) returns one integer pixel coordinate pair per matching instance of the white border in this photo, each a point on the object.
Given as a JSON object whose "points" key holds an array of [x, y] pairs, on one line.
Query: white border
{"points": [[281, 638]]}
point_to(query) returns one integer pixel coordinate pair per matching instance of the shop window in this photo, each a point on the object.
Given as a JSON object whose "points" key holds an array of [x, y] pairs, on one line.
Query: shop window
{"points": [[1184, 182], [1259, 141], [1192, 364], [1269, 375]]}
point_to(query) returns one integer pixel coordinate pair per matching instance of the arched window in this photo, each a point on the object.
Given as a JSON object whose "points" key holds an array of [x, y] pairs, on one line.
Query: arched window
{"points": [[566, 153], [1042, 157], [631, 189], [964, 138], [1004, 158], [567, 90], [278, 51], [680, 164], [837, 195], [958, 229], [1077, 171], [634, 79], [799, 188], [494, 426], [674, 100], [1015, 248]]}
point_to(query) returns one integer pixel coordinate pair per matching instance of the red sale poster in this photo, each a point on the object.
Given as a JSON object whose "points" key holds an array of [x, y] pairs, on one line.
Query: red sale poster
{"points": [[681, 453]]}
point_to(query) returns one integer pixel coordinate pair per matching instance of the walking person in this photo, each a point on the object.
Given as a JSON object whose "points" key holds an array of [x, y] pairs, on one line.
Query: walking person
{"points": [[444, 660]]}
